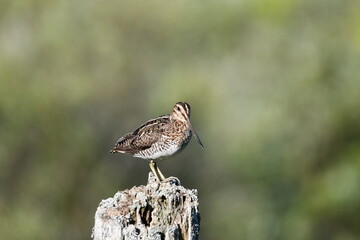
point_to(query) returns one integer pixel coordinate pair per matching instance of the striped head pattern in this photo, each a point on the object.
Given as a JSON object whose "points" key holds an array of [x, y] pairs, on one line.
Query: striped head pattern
{"points": [[181, 112]]}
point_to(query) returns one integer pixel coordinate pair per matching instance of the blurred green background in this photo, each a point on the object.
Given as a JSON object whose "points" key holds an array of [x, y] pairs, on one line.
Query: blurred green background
{"points": [[275, 93]]}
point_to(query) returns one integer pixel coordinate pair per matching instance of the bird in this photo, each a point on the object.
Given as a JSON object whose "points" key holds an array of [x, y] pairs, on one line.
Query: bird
{"points": [[159, 138]]}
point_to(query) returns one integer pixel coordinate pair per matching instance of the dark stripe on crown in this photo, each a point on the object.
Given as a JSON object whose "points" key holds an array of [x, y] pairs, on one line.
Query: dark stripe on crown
{"points": [[185, 106]]}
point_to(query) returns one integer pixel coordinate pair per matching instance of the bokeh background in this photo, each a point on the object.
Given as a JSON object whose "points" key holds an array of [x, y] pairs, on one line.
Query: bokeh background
{"points": [[275, 93]]}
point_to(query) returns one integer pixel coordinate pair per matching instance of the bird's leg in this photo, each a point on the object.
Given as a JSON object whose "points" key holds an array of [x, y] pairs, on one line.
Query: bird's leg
{"points": [[160, 173], [154, 168]]}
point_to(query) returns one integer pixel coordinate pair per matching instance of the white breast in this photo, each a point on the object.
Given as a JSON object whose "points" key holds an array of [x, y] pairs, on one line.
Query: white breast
{"points": [[159, 151]]}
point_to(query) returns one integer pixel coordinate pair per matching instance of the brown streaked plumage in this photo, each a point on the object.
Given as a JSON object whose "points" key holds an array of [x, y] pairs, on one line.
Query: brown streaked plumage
{"points": [[159, 138]]}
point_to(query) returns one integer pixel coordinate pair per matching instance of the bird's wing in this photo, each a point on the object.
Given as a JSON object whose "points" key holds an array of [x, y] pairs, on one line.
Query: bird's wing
{"points": [[160, 121], [142, 137]]}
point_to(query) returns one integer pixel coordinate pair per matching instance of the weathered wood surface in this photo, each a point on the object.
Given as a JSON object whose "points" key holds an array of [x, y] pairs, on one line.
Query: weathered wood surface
{"points": [[154, 212]]}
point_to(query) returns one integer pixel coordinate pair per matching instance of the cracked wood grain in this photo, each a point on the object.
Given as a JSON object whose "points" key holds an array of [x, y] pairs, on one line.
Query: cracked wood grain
{"points": [[165, 211]]}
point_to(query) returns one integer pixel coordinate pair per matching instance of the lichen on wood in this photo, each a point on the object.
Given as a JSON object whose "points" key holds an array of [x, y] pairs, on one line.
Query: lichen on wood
{"points": [[156, 211]]}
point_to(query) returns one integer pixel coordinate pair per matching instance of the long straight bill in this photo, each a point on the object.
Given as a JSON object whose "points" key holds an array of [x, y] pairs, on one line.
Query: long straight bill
{"points": [[195, 134]]}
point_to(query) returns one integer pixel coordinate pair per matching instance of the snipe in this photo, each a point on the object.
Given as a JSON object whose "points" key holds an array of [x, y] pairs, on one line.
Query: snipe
{"points": [[159, 138]]}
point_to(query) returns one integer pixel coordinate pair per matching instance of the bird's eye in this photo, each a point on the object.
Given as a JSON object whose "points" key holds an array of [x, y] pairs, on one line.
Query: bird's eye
{"points": [[178, 108]]}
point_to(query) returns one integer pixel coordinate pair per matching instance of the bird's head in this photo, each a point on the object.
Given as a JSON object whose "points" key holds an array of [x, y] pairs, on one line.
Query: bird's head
{"points": [[181, 112]]}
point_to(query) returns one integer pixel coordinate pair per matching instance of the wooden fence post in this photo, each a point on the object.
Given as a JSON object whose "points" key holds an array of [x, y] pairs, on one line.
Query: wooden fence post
{"points": [[165, 211]]}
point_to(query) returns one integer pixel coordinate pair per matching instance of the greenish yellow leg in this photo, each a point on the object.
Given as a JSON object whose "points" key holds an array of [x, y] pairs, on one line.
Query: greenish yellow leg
{"points": [[154, 168], [160, 173]]}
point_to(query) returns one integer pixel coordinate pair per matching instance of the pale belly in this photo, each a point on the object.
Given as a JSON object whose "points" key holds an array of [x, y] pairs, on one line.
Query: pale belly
{"points": [[148, 154], [160, 151]]}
